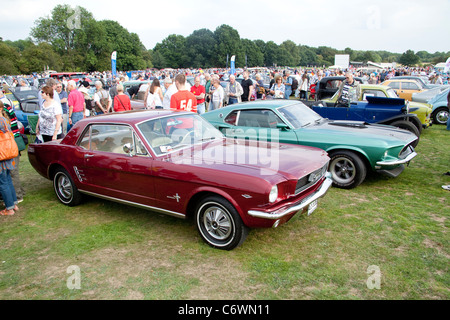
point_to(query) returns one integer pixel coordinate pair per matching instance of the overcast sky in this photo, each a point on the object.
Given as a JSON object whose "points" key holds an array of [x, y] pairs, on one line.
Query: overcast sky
{"points": [[391, 25]]}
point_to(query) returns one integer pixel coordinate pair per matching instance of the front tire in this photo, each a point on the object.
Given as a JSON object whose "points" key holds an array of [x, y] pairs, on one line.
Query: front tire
{"points": [[219, 224], [347, 169], [440, 116], [65, 189]]}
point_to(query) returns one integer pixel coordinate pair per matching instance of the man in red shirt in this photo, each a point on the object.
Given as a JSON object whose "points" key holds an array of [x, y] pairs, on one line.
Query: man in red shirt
{"points": [[75, 101], [183, 99], [199, 92]]}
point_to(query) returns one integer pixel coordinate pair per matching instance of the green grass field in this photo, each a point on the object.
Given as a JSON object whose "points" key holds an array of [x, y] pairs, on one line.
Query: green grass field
{"points": [[386, 239]]}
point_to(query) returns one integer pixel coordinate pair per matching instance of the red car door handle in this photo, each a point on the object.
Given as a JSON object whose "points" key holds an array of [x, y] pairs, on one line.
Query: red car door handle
{"points": [[88, 155]]}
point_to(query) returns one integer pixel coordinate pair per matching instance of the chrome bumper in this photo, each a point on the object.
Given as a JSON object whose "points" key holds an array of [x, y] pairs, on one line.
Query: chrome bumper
{"points": [[398, 162], [303, 204]]}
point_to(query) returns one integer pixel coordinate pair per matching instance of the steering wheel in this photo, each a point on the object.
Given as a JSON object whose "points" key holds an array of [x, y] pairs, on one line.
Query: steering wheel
{"points": [[186, 136]]}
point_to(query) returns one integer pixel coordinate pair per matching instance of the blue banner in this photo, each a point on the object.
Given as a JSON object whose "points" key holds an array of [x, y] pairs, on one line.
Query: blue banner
{"points": [[113, 63], [232, 65]]}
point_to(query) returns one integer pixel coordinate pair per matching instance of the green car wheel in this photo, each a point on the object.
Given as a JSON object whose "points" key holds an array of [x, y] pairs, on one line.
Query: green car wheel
{"points": [[347, 169]]}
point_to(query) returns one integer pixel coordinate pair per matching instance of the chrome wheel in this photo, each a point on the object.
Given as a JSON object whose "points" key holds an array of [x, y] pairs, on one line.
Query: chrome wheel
{"points": [[217, 223], [442, 116], [65, 189]]}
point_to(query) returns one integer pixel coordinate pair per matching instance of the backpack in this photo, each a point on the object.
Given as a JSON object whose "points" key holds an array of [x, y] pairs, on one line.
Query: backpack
{"points": [[294, 84], [103, 100]]}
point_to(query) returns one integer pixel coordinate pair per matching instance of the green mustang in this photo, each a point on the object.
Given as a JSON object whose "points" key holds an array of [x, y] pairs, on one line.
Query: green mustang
{"points": [[354, 147]]}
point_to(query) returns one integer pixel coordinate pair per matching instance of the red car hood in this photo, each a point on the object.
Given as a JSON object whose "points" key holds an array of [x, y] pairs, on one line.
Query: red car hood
{"points": [[253, 157]]}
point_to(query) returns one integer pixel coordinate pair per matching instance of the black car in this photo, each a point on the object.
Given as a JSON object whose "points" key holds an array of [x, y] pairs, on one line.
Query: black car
{"points": [[328, 86]]}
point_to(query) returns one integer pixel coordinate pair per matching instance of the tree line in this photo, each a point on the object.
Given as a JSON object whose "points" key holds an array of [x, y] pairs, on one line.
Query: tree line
{"points": [[73, 40]]}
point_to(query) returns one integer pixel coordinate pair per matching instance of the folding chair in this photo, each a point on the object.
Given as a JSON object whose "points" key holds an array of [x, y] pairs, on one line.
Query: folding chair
{"points": [[32, 122]]}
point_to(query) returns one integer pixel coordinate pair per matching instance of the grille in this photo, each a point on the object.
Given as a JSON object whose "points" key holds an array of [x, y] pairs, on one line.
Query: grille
{"points": [[309, 180], [406, 152]]}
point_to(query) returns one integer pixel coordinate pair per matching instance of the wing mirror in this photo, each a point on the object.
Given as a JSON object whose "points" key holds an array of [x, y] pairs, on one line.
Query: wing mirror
{"points": [[282, 126], [128, 148]]}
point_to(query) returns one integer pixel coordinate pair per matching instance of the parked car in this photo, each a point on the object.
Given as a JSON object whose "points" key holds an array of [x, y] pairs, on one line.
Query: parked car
{"points": [[404, 88], [421, 81], [422, 110], [26, 102], [440, 110], [178, 164], [354, 147], [427, 95], [328, 86], [386, 111]]}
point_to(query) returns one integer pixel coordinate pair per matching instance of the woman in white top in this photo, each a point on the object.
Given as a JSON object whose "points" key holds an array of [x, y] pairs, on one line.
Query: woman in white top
{"points": [[153, 96], [217, 96], [50, 117]]}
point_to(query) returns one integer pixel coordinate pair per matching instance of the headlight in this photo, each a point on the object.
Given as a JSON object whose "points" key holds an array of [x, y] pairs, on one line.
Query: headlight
{"points": [[273, 195]]}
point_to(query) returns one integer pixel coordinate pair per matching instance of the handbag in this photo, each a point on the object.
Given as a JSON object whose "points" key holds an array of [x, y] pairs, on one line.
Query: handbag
{"points": [[8, 146], [20, 143]]}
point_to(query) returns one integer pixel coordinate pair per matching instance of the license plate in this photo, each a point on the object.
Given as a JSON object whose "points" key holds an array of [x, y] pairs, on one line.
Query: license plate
{"points": [[312, 206]]}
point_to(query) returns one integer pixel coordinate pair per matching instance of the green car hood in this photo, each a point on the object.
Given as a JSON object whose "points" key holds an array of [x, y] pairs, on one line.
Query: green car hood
{"points": [[353, 133]]}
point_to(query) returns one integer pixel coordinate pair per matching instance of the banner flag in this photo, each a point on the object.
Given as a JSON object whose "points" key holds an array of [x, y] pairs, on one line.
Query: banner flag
{"points": [[232, 65], [113, 63]]}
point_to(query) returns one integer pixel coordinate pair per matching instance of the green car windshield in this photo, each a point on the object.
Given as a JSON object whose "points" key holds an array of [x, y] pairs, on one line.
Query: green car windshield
{"points": [[299, 115]]}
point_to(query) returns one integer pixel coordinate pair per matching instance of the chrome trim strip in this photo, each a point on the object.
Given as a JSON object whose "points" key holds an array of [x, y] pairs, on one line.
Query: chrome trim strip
{"points": [[319, 193], [135, 204], [397, 162]]}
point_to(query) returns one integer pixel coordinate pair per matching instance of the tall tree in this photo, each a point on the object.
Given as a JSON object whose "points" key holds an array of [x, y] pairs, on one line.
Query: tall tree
{"points": [[409, 58], [8, 59], [200, 46], [255, 58], [173, 49], [129, 48], [228, 42]]}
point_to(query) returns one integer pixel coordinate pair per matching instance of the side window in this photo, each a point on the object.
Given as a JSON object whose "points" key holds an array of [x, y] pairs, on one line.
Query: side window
{"points": [[231, 118], [85, 140], [140, 149], [107, 138], [30, 107], [394, 85], [409, 86], [373, 93], [258, 118]]}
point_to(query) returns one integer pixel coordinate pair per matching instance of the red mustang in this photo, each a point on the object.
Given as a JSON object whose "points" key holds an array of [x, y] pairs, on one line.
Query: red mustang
{"points": [[178, 164]]}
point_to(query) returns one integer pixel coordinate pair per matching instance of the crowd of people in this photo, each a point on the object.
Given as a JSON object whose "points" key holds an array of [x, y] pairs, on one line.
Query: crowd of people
{"points": [[63, 103]]}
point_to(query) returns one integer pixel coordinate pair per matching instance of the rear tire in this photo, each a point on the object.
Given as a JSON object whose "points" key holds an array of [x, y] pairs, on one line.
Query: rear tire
{"points": [[402, 124], [65, 189], [219, 224], [347, 169]]}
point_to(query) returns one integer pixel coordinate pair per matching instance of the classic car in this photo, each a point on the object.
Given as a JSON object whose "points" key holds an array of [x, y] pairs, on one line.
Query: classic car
{"points": [[427, 95], [178, 164], [26, 102], [421, 81], [354, 147], [422, 110], [328, 86], [404, 88], [377, 110], [440, 111]]}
